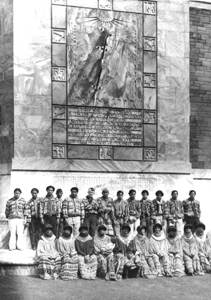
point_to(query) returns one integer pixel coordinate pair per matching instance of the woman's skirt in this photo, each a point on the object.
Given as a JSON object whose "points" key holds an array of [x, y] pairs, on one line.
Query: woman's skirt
{"points": [[69, 267], [88, 267]]}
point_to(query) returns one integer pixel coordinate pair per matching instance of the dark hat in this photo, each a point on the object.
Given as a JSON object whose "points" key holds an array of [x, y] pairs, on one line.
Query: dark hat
{"points": [[101, 227], [188, 226], [139, 228], [68, 227], [125, 225], [83, 226], [172, 228], [201, 225], [105, 190], [47, 227], [157, 225]]}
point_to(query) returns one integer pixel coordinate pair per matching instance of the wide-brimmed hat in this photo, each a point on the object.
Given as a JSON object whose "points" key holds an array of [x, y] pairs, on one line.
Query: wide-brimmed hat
{"points": [[101, 227], [48, 227], [83, 226], [157, 225], [200, 224], [68, 227], [188, 226]]}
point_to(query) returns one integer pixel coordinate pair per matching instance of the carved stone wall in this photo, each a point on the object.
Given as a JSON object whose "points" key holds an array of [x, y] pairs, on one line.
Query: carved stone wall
{"points": [[6, 85]]}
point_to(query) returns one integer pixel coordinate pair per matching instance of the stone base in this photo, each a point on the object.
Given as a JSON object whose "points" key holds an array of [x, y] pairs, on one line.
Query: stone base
{"points": [[17, 263]]}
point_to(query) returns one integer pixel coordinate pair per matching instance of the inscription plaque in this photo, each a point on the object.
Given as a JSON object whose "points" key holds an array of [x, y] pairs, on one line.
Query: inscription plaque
{"points": [[103, 126]]}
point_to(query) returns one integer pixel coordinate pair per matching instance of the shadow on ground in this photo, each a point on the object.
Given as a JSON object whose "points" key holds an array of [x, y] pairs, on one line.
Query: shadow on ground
{"points": [[33, 288]]}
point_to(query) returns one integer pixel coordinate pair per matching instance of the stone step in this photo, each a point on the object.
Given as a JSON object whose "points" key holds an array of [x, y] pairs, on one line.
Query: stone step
{"points": [[17, 263]]}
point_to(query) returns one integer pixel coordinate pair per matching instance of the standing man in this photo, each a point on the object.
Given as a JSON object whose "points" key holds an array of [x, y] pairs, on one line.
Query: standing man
{"points": [[33, 218], [176, 213], [59, 198], [134, 207], [16, 213], [145, 219], [121, 212], [192, 211], [73, 211], [50, 210], [159, 212], [105, 211], [91, 211]]}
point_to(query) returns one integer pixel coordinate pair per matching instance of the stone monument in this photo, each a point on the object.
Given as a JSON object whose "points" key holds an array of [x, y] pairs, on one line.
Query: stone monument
{"points": [[94, 93]]}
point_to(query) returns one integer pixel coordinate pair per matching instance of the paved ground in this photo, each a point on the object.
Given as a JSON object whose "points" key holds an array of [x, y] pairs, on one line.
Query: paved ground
{"points": [[32, 288]]}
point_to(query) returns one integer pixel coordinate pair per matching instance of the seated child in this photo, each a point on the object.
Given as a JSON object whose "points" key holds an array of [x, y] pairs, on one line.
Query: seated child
{"points": [[132, 264]]}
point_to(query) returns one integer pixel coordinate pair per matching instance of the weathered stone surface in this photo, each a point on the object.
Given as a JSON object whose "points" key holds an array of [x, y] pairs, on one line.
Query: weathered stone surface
{"points": [[58, 16], [85, 152], [58, 55], [173, 81], [83, 3], [124, 153], [6, 83], [59, 92], [75, 165], [150, 62], [150, 136], [32, 82], [128, 5], [59, 131], [32, 79]]}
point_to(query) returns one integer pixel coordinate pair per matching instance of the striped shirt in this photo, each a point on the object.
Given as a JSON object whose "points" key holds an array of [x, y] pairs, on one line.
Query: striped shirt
{"points": [[50, 206], [73, 207], [191, 208], [145, 208], [134, 207], [121, 209], [91, 206], [159, 208], [175, 208], [33, 207], [16, 208]]}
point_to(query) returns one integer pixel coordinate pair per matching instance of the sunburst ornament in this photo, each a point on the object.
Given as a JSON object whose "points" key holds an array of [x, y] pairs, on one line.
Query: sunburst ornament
{"points": [[106, 19]]}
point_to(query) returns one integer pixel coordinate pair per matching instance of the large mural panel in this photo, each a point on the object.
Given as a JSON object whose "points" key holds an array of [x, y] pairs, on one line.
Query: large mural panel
{"points": [[104, 82], [104, 58]]}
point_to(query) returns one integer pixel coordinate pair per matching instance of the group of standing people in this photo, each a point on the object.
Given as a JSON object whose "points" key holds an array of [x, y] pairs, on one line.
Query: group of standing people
{"points": [[111, 238]]}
